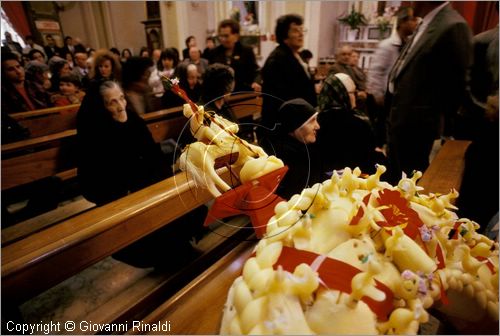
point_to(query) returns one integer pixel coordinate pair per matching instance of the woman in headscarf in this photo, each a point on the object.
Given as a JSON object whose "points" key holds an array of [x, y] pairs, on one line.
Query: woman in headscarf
{"points": [[346, 139], [117, 155], [293, 142]]}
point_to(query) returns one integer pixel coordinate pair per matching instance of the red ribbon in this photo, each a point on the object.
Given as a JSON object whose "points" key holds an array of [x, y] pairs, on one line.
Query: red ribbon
{"points": [[337, 275], [255, 199]]}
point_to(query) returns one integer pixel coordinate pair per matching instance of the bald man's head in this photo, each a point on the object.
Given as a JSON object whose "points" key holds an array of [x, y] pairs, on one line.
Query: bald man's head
{"points": [[344, 54]]}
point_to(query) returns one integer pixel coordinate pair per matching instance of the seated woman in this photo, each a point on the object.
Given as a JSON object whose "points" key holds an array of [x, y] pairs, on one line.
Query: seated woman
{"points": [[293, 142], [105, 66], [165, 67], [218, 83], [188, 80], [346, 139], [117, 155]]}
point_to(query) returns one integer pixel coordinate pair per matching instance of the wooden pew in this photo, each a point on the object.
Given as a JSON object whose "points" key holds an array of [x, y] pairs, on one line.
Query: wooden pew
{"points": [[45, 258], [205, 296], [58, 119], [48, 121], [48, 155], [447, 169], [54, 155]]}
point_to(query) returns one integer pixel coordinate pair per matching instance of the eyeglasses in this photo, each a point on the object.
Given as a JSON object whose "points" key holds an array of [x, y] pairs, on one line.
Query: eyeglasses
{"points": [[224, 36], [298, 30]]}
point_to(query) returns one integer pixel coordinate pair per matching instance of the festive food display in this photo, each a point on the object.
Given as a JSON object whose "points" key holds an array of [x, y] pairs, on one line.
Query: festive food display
{"points": [[355, 255], [216, 139], [351, 255]]}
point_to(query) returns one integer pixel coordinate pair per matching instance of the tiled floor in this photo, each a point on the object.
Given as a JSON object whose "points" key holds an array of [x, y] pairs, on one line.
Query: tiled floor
{"points": [[77, 296]]}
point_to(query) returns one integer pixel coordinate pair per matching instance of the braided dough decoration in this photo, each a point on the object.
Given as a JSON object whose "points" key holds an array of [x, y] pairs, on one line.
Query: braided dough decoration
{"points": [[447, 254], [216, 138]]}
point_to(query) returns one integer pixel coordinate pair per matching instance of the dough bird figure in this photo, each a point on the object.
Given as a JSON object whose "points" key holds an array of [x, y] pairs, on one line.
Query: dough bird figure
{"points": [[216, 139], [356, 255]]}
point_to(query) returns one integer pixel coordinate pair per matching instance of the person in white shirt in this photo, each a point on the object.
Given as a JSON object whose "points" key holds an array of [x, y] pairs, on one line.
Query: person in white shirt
{"points": [[382, 61]]}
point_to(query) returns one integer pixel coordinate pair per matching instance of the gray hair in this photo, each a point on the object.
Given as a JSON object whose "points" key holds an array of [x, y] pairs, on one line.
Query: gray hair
{"points": [[107, 85], [35, 67]]}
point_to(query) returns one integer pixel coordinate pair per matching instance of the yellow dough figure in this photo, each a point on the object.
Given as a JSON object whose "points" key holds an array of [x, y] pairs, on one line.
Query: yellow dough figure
{"points": [[366, 223]]}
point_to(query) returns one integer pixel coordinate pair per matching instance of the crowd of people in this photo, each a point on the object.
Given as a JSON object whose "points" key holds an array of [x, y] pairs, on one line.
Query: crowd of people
{"points": [[411, 96]]}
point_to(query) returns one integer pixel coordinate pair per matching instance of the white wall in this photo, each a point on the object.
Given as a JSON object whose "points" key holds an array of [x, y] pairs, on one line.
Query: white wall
{"points": [[125, 21], [106, 24], [100, 24], [329, 27]]}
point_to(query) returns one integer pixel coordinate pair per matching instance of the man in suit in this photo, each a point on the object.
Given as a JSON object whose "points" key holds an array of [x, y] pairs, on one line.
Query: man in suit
{"points": [[239, 57], [51, 49], [426, 85]]}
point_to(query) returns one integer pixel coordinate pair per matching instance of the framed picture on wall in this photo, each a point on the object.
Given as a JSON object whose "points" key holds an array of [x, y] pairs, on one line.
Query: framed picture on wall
{"points": [[374, 33], [58, 38]]}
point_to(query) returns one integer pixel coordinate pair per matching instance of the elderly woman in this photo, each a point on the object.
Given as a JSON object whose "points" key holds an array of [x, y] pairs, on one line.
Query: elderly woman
{"points": [[117, 156], [347, 139], [292, 142], [117, 152]]}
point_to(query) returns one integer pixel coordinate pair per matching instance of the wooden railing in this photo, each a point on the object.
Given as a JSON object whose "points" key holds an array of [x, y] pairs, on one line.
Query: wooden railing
{"points": [[45, 258]]}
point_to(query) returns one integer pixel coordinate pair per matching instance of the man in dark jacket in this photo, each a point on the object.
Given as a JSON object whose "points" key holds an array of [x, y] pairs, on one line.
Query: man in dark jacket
{"points": [[284, 75], [239, 57], [426, 86]]}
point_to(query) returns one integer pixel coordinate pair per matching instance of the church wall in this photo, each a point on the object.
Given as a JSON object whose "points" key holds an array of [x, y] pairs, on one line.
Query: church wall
{"points": [[118, 23], [126, 26]]}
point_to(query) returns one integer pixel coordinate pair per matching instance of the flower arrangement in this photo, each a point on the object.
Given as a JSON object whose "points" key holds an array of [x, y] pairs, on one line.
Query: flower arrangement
{"points": [[354, 19], [384, 21], [235, 14]]}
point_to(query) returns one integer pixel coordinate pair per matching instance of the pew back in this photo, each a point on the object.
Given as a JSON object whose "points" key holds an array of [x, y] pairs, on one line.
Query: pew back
{"points": [[43, 259]]}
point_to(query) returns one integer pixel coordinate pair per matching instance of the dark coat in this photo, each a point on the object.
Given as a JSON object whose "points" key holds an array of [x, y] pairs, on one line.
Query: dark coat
{"points": [[242, 61], [115, 158], [428, 89], [284, 79], [346, 138], [53, 51], [13, 101], [304, 168]]}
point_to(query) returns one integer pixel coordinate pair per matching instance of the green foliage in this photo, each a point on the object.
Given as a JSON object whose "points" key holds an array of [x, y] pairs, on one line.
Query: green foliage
{"points": [[354, 19]]}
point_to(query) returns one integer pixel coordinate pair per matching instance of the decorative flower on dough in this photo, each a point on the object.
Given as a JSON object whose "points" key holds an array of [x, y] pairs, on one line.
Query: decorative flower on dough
{"points": [[397, 212]]}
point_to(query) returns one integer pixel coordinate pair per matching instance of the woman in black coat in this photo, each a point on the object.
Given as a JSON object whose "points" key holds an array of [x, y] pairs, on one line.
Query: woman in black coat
{"points": [[118, 155], [293, 142]]}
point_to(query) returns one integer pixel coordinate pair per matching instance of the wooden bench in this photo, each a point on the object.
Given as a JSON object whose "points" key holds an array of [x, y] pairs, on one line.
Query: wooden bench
{"points": [[447, 169], [53, 154], [43, 259], [48, 121], [58, 119], [205, 296]]}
